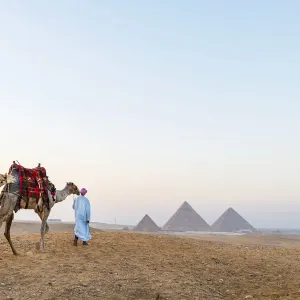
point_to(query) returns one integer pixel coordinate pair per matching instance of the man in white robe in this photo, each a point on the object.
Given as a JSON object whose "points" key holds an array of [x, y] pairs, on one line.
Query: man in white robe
{"points": [[82, 208]]}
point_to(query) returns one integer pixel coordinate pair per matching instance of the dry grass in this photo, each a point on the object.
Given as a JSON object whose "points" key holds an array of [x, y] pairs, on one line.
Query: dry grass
{"points": [[141, 266]]}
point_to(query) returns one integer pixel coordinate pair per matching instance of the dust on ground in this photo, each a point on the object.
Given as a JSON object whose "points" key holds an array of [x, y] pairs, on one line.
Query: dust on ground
{"points": [[121, 265]]}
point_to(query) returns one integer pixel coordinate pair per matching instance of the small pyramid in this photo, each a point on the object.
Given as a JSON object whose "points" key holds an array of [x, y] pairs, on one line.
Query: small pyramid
{"points": [[146, 225], [231, 221], [186, 219]]}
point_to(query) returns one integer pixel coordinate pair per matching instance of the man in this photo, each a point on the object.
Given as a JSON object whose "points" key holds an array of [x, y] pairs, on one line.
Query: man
{"points": [[82, 208]]}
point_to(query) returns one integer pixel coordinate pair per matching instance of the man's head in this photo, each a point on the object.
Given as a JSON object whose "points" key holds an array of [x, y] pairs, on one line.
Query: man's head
{"points": [[83, 191]]}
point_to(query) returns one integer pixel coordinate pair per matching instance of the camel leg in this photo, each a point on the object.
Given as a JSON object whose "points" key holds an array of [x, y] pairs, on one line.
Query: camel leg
{"points": [[47, 226], [9, 220], [44, 227], [8, 203], [40, 204]]}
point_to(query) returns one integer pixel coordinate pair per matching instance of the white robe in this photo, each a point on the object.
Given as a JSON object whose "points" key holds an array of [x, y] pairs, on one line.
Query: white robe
{"points": [[82, 209]]}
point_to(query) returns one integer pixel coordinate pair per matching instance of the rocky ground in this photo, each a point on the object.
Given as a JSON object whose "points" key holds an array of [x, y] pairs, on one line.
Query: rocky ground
{"points": [[140, 266]]}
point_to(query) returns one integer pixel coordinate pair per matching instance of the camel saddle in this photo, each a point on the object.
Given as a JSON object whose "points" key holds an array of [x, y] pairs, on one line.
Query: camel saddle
{"points": [[30, 183]]}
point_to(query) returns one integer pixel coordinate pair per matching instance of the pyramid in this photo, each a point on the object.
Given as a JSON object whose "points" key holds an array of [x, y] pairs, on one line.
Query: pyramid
{"points": [[231, 221], [147, 225], [186, 219]]}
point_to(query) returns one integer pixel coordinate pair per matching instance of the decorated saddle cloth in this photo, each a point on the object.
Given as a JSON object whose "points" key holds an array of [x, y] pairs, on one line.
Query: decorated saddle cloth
{"points": [[30, 183]]}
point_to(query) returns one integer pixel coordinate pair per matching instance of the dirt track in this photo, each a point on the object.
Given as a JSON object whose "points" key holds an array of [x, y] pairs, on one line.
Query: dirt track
{"points": [[139, 266]]}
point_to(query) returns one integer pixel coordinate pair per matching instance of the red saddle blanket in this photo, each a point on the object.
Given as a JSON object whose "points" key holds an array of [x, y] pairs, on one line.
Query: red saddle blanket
{"points": [[33, 183]]}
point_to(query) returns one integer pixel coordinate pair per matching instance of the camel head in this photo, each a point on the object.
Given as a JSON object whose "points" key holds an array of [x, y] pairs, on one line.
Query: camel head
{"points": [[73, 189]]}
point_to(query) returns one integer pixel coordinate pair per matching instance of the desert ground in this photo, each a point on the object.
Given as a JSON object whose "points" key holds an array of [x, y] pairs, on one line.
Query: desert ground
{"points": [[126, 265]]}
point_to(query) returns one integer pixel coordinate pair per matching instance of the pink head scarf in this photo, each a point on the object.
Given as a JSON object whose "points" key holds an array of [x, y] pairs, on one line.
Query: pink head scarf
{"points": [[83, 191]]}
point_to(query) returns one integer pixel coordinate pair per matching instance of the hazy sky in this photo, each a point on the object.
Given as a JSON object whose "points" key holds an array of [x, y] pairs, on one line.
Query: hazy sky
{"points": [[151, 103]]}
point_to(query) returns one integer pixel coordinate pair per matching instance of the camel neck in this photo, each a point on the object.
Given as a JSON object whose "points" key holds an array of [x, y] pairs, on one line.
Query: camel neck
{"points": [[62, 194]]}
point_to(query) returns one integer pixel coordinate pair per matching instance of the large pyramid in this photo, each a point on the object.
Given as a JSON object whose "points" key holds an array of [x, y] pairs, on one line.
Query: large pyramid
{"points": [[186, 219], [147, 225], [231, 221]]}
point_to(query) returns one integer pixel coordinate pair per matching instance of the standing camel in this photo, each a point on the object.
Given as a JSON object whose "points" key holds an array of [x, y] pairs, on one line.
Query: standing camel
{"points": [[10, 202], [8, 207]]}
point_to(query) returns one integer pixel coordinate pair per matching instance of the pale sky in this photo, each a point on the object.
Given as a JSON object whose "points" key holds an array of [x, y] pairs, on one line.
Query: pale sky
{"points": [[151, 103]]}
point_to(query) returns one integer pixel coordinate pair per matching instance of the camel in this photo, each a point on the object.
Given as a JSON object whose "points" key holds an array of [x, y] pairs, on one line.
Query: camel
{"points": [[8, 206]]}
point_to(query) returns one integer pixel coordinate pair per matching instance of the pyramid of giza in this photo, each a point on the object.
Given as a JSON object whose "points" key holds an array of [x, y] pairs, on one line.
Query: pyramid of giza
{"points": [[147, 225], [186, 219], [231, 221]]}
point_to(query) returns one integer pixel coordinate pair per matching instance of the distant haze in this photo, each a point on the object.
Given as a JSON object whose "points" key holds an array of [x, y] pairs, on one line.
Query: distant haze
{"points": [[151, 103]]}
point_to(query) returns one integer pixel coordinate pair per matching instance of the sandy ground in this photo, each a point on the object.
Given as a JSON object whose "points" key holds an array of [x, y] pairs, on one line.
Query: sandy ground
{"points": [[272, 240], [120, 265], [35, 227]]}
